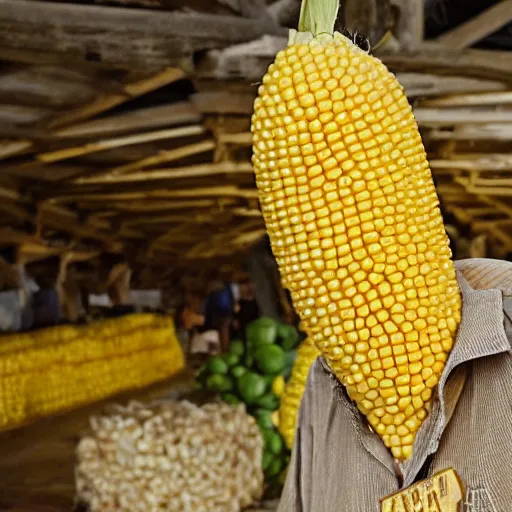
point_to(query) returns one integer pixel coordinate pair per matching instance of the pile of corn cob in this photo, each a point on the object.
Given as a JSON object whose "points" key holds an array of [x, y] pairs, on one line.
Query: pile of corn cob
{"points": [[352, 214], [52, 370]]}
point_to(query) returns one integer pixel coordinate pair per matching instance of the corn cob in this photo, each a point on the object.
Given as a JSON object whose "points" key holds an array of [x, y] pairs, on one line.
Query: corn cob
{"points": [[43, 379], [63, 333], [352, 214], [292, 396]]}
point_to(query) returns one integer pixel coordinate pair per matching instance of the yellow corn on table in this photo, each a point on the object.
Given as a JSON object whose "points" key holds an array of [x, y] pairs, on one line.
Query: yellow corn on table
{"points": [[53, 370]]}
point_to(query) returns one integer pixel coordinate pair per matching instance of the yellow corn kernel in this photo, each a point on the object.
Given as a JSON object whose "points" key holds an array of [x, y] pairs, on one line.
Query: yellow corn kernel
{"points": [[363, 176]]}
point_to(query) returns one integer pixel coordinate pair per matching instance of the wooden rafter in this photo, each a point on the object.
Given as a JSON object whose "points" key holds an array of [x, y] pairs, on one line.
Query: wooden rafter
{"points": [[122, 38], [479, 27]]}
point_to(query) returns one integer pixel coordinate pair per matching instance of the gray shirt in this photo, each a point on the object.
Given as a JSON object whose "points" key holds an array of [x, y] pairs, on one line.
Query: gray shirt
{"points": [[339, 465]]}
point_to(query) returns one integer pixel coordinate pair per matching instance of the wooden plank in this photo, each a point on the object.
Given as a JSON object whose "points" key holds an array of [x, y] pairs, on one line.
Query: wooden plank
{"points": [[192, 171], [239, 139], [499, 205], [224, 102], [167, 156], [428, 84], [14, 147], [466, 100], [46, 86], [141, 119], [409, 29], [102, 145], [129, 91], [157, 206], [479, 27], [452, 116], [475, 162], [161, 193], [125, 38], [489, 131], [250, 61], [439, 58]]}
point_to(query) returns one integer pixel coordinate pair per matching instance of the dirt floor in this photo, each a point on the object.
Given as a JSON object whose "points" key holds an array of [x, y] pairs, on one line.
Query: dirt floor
{"points": [[37, 461]]}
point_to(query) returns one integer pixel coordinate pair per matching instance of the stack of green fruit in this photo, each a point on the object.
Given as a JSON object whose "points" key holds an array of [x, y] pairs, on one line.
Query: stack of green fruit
{"points": [[254, 372]]}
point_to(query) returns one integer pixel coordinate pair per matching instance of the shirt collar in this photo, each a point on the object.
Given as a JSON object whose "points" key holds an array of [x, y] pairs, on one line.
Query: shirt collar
{"points": [[481, 333]]}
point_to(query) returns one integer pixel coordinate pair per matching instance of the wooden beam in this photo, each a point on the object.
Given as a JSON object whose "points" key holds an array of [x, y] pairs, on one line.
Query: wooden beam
{"points": [[192, 171], [163, 157], [158, 206], [479, 27], [225, 102], [490, 131], [14, 147], [439, 58], [452, 116], [475, 162], [468, 100], [409, 29], [128, 92], [502, 207], [141, 119], [428, 84], [223, 191], [102, 145], [238, 139], [170, 219], [251, 60], [124, 38]]}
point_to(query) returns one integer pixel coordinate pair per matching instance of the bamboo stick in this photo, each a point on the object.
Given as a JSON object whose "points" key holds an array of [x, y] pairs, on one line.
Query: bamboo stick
{"points": [[102, 145]]}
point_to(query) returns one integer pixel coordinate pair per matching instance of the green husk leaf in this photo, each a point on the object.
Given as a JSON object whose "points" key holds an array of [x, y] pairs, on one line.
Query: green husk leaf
{"points": [[318, 16]]}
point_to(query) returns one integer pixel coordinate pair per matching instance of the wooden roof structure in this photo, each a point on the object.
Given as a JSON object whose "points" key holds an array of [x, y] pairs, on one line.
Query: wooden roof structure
{"points": [[124, 125]]}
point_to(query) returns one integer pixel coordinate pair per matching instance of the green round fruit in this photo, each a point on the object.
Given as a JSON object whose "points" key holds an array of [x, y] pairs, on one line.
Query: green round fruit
{"points": [[274, 468], [269, 401], [237, 347], [262, 331], [219, 383], [217, 365], [270, 359], [230, 399], [251, 387], [288, 336], [230, 359], [267, 459], [264, 420], [238, 371], [275, 443], [267, 434]]}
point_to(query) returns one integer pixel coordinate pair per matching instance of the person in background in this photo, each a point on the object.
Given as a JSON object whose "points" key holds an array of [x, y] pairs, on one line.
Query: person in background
{"points": [[46, 303], [246, 310], [219, 309]]}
